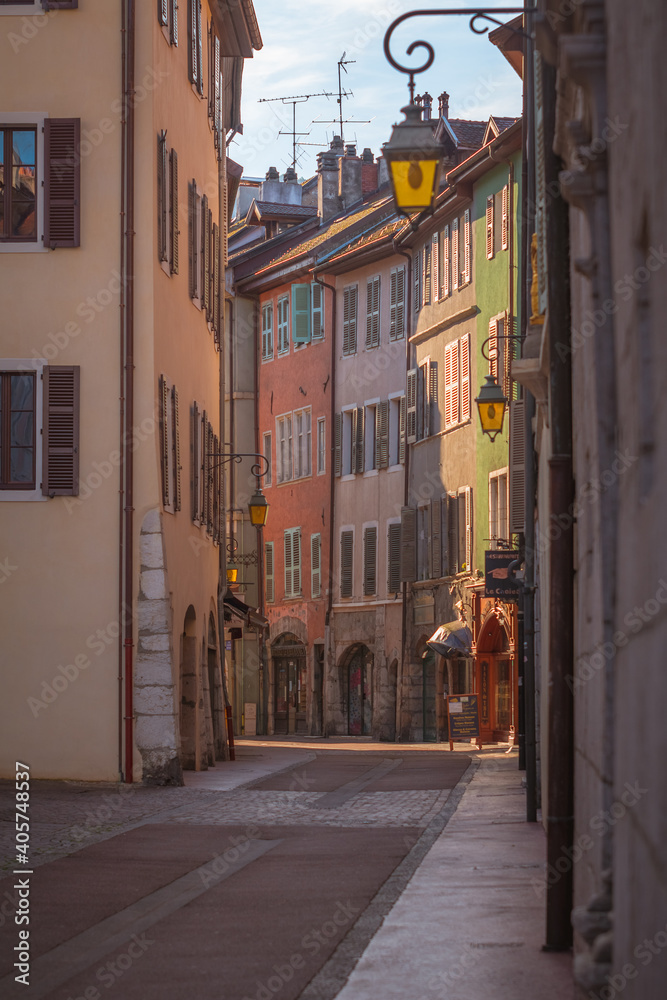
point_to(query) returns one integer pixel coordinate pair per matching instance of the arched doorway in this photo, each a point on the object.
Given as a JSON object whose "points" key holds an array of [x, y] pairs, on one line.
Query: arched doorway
{"points": [[359, 691], [215, 691], [496, 679], [188, 689], [290, 673]]}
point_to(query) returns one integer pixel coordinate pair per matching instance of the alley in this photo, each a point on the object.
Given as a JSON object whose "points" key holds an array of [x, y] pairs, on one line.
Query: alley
{"points": [[166, 892]]}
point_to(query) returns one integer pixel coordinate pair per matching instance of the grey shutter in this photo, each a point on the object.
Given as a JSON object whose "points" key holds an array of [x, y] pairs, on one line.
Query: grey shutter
{"points": [[408, 544], [205, 256], [173, 207], [393, 289], [346, 555], [382, 435], [411, 403], [315, 565], [62, 182], [338, 444], [215, 295], [358, 449], [394, 559], [61, 418], [422, 398], [215, 488], [462, 534], [192, 41], [426, 280], [177, 450], [517, 467], [469, 528], [296, 560], [162, 196], [163, 404], [194, 456], [435, 258], [369, 312], [417, 262], [435, 546], [269, 591], [173, 34], [289, 580], [453, 533], [370, 561], [444, 536], [401, 430]]}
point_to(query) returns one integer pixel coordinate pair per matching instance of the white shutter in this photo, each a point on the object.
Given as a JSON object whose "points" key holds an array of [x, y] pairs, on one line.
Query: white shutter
{"points": [[435, 264], [417, 264], [489, 227], [493, 348], [446, 262], [426, 283], [467, 247], [296, 561], [455, 254], [393, 279], [289, 579], [464, 375], [505, 218]]}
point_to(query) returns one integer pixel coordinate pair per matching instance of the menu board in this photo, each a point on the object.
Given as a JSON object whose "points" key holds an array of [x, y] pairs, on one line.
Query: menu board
{"points": [[463, 716]]}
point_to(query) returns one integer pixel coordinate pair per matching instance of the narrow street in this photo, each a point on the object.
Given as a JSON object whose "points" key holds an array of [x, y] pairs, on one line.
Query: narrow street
{"points": [[304, 847]]}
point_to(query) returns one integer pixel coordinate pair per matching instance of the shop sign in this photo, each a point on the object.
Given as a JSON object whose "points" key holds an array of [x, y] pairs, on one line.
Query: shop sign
{"points": [[463, 717], [498, 582]]}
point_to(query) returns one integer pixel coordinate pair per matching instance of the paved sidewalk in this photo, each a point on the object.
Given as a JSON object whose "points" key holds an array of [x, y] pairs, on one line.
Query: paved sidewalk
{"points": [[470, 923]]}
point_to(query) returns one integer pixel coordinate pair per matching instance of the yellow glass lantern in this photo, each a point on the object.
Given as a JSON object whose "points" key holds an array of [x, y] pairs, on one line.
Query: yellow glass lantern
{"points": [[414, 159], [491, 404], [259, 508]]}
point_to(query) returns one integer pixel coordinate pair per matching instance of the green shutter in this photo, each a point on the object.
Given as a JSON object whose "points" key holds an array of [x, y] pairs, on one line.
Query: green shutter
{"points": [[317, 296], [300, 314]]}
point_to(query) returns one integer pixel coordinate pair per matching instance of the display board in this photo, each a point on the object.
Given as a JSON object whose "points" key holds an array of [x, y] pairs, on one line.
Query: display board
{"points": [[463, 718]]}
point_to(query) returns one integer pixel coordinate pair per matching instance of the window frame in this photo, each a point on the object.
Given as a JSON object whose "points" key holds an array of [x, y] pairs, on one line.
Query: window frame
{"points": [[496, 478], [268, 476], [14, 121], [281, 461], [302, 443], [321, 451], [283, 324], [6, 374]]}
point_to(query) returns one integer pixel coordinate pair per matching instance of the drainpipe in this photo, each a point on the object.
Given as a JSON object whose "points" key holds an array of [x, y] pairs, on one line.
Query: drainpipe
{"points": [[332, 289], [121, 413], [128, 369], [264, 677], [406, 494], [222, 548]]}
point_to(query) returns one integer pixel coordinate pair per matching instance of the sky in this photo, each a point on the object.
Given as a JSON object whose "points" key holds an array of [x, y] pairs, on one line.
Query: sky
{"points": [[303, 41]]}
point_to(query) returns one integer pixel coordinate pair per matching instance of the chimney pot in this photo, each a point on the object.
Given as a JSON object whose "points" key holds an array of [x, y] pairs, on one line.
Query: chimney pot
{"points": [[443, 104]]}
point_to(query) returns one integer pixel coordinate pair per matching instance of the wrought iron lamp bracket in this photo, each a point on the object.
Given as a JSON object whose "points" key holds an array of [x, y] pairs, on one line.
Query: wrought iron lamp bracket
{"points": [[499, 336], [238, 456]]}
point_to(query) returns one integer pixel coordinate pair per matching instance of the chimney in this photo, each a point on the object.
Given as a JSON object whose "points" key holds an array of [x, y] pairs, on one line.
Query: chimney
{"points": [[337, 146], [349, 178], [272, 174], [383, 172], [290, 176], [443, 105], [369, 173], [328, 203], [427, 101], [287, 192]]}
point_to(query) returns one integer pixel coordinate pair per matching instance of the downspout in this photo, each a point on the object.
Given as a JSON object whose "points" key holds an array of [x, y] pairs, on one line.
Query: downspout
{"points": [[128, 163], [264, 677], [406, 495], [222, 548], [332, 289], [121, 399]]}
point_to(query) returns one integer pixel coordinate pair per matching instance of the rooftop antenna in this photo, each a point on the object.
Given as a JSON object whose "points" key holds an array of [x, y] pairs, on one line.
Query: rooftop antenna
{"points": [[300, 99], [342, 63]]}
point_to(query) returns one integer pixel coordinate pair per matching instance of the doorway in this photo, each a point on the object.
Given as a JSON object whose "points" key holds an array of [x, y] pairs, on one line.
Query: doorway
{"points": [[291, 686], [359, 701]]}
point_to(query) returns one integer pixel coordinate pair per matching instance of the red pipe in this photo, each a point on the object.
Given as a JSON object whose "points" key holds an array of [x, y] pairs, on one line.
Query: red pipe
{"points": [[121, 429]]}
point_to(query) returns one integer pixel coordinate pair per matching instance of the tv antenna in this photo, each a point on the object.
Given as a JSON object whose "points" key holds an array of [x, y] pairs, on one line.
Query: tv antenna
{"points": [[342, 63], [301, 99]]}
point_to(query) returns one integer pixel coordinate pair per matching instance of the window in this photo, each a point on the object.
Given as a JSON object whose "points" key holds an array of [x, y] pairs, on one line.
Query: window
{"points": [[422, 401], [397, 430], [167, 198], [283, 324], [269, 583], [350, 296], [346, 562], [195, 69], [194, 241], [170, 450], [489, 226], [393, 558], [397, 304], [267, 331], [321, 445], [40, 182], [292, 542], [267, 456], [206, 479], [459, 530], [499, 529], [17, 430], [302, 443], [501, 352], [436, 539], [315, 565], [373, 312], [168, 18], [370, 561], [317, 311], [284, 448], [426, 281], [457, 382]]}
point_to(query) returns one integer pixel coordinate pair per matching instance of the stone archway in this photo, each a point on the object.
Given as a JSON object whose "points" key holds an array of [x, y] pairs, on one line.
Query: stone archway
{"points": [[357, 668], [290, 685], [188, 692], [496, 679]]}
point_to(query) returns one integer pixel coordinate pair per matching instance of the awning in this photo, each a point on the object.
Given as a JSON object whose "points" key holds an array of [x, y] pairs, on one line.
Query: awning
{"points": [[249, 615], [451, 640]]}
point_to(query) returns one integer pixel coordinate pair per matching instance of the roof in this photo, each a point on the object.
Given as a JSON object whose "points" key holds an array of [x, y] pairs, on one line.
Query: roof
{"points": [[468, 133], [270, 211], [383, 232]]}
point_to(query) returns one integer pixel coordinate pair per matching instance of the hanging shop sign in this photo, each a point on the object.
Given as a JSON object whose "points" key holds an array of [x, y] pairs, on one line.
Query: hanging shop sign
{"points": [[498, 581]]}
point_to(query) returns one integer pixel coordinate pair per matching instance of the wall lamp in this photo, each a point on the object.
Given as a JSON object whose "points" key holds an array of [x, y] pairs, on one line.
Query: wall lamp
{"points": [[492, 401], [258, 506]]}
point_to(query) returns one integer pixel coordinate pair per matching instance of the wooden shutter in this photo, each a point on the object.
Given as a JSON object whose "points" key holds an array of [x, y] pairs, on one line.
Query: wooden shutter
{"points": [[296, 561], [393, 280], [162, 196], [195, 460], [315, 565], [289, 580], [446, 261], [455, 254], [224, 236], [300, 314], [432, 411], [426, 282], [338, 444], [200, 60], [394, 559], [435, 264], [517, 517], [370, 561], [62, 182], [192, 238], [358, 427], [382, 435], [467, 247], [464, 374], [346, 557], [408, 544], [347, 302], [411, 394], [217, 99], [205, 256], [444, 535], [452, 384], [192, 41], [453, 533], [402, 421], [400, 303], [493, 348], [177, 449], [462, 531], [269, 584], [173, 33], [373, 312], [505, 203], [61, 418], [417, 264], [163, 404], [163, 12], [215, 296], [435, 536], [215, 488], [173, 208], [469, 526], [506, 351], [489, 227], [316, 295], [422, 402]]}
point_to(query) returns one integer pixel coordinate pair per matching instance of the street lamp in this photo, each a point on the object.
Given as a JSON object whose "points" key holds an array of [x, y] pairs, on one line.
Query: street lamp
{"points": [[491, 404], [415, 160], [259, 508]]}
